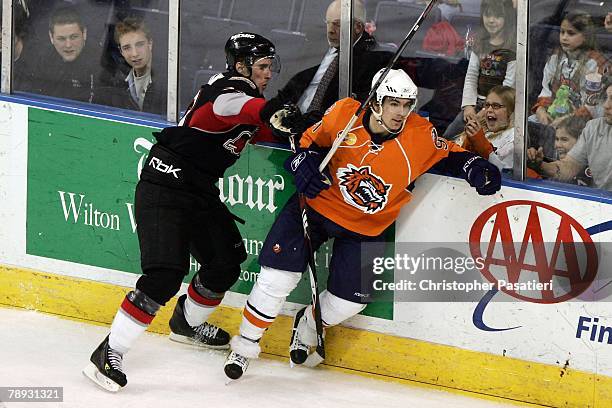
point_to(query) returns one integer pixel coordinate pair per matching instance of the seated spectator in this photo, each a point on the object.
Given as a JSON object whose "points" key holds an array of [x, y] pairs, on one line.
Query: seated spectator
{"points": [[492, 60], [316, 88], [593, 149], [143, 88], [564, 89], [22, 75], [66, 70], [494, 139], [567, 132]]}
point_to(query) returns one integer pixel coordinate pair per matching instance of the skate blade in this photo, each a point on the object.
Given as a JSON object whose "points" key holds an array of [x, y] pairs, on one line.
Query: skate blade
{"points": [[229, 381], [313, 360], [188, 340], [92, 372]]}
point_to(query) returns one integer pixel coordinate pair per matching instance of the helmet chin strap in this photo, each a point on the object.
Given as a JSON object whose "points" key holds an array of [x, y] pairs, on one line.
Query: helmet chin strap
{"points": [[379, 120]]}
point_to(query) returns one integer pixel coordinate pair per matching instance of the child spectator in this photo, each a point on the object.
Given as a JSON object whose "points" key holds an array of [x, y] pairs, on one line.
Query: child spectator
{"points": [[494, 138], [564, 83], [492, 60], [567, 133], [593, 149]]}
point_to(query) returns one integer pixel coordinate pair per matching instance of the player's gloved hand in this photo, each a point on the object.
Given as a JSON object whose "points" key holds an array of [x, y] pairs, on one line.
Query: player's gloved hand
{"points": [[304, 165], [287, 122], [482, 175]]}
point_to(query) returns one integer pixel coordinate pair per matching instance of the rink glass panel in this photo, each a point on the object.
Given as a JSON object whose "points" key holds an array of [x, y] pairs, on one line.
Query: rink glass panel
{"points": [[100, 58], [82, 173], [545, 19], [296, 27]]}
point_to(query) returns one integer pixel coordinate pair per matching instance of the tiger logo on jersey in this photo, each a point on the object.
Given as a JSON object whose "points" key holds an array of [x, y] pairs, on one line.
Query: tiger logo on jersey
{"points": [[363, 189]]}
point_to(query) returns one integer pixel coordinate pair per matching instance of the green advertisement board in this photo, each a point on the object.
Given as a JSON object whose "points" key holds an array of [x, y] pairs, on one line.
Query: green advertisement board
{"points": [[82, 173]]}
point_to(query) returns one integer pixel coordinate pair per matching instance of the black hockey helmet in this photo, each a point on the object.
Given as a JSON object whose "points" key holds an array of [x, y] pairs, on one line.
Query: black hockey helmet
{"points": [[249, 48]]}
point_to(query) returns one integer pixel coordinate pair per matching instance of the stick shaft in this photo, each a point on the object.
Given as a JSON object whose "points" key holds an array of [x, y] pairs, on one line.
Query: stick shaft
{"points": [[365, 103]]}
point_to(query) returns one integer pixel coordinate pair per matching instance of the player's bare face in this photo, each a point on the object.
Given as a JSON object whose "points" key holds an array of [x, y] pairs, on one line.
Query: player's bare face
{"points": [[395, 111], [68, 40], [261, 73], [496, 113], [608, 106], [137, 50]]}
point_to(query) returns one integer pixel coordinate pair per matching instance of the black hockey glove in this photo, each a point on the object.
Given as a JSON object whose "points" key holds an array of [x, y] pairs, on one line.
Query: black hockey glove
{"points": [[304, 165], [287, 122], [482, 175]]}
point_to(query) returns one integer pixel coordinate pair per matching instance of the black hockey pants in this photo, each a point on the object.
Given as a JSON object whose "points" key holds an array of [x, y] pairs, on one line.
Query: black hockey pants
{"points": [[178, 212]]}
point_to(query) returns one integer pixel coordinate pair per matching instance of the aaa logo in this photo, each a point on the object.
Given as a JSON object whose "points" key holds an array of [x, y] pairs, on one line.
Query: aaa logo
{"points": [[550, 246], [363, 189]]}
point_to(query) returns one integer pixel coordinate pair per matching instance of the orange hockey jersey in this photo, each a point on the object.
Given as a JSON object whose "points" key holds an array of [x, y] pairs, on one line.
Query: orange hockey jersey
{"points": [[370, 181]]}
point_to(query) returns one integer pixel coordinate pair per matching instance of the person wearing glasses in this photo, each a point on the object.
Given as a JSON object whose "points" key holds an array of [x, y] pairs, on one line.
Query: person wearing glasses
{"points": [[143, 89], [491, 134], [316, 88]]}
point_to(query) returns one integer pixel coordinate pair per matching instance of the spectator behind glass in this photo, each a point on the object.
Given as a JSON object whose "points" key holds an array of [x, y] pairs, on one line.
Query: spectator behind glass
{"points": [[21, 73], [593, 149], [565, 74], [492, 137], [492, 60], [142, 89], [303, 87], [66, 70]]}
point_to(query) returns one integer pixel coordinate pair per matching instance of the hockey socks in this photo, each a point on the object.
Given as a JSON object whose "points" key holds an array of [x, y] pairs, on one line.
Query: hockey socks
{"points": [[263, 305], [132, 319], [266, 300], [200, 302]]}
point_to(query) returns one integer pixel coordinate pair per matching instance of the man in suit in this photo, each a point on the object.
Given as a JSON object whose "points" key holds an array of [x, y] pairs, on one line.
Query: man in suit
{"points": [[316, 88]]}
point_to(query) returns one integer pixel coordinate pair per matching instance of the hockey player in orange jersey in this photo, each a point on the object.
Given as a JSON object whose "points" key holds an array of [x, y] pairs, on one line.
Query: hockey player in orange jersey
{"points": [[367, 181]]}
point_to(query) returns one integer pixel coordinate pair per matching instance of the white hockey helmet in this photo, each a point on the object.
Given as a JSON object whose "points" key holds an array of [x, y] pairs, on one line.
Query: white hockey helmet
{"points": [[397, 84]]}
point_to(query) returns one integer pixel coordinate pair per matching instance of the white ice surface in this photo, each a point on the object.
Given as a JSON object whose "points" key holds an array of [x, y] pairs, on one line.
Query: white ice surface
{"points": [[44, 350]]}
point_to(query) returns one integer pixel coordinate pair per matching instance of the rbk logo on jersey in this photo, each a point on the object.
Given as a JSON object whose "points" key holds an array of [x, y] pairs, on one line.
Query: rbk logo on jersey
{"points": [[363, 189], [159, 165]]}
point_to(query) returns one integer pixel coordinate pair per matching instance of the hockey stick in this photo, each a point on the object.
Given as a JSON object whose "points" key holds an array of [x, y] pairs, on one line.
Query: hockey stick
{"points": [[318, 356], [365, 103]]}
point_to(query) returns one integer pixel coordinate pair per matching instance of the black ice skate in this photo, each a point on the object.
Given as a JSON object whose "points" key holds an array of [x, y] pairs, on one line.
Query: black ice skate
{"points": [[105, 368], [204, 335], [303, 340], [298, 351], [235, 365]]}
